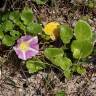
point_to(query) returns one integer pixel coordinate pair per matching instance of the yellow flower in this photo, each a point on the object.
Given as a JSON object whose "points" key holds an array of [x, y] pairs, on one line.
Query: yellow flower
{"points": [[52, 29]]}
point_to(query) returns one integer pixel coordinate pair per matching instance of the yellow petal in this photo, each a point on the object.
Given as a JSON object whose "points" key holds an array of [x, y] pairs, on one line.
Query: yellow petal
{"points": [[52, 37], [52, 29]]}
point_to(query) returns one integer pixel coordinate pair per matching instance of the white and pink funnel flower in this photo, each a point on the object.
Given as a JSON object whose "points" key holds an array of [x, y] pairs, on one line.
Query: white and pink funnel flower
{"points": [[27, 47]]}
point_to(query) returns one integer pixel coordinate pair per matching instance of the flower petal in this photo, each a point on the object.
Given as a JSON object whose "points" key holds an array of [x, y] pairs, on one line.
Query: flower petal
{"points": [[31, 53], [24, 38], [19, 53], [33, 40]]}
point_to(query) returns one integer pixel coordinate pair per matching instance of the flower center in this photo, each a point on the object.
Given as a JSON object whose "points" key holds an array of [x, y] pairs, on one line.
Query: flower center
{"points": [[24, 46]]}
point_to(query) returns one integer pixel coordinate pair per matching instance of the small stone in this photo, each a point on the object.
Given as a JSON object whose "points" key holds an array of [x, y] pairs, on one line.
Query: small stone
{"points": [[20, 90], [93, 78], [0, 74], [94, 12]]}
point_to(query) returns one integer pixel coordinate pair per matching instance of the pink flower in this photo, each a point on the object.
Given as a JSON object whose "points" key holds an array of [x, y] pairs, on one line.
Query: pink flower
{"points": [[27, 47]]}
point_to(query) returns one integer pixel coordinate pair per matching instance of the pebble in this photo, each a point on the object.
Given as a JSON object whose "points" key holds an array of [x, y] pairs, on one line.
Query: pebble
{"points": [[93, 79], [20, 90], [0, 74]]}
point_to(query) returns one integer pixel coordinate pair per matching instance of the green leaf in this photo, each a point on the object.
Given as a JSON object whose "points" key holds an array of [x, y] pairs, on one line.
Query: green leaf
{"points": [[27, 15], [8, 40], [64, 62], [15, 34], [8, 25], [34, 28], [15, 17], [94, 38], [55, 55], [5, 17], [1, 32], [83, 31], [68, 73], [74, 68], [34, 65], [22, 27], [61, 93], [51, 53], [66, 33], [40, 1], [91, 4], [81, 49], [81, 70]]}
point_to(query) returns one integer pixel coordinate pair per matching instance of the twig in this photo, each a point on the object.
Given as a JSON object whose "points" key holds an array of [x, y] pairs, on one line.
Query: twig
{"points": [[4, 6], [23, 72]]}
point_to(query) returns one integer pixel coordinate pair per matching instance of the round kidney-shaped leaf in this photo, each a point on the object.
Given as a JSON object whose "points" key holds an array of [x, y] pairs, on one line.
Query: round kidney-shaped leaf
{"points": [[15, 34], [15, 17], [27, 15], [34, 65], [64, 62], [7, 25], [53, 52], [8, 40], [83, 31], [81, 49], [34, 28], [56, 56], [66, 33]]}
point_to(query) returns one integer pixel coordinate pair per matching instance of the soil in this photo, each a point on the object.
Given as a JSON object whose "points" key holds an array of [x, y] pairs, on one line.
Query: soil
{"points": [[14, 77]]}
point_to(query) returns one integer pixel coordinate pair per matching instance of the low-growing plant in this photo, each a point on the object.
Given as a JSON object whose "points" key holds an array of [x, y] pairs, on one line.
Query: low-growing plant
{"points": [[15, 24], [91, 3], [76, 43]]}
